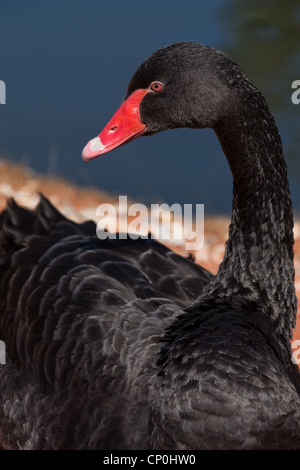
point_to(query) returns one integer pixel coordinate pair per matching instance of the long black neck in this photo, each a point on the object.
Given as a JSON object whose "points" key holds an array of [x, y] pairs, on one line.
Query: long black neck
{"points": [[258, 261]]}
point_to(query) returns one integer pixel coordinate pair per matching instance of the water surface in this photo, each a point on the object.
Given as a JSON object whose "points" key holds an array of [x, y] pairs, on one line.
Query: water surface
{"points": [[66, 66]]}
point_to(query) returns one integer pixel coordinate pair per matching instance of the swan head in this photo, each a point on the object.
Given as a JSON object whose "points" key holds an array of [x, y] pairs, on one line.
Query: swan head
{"points": [[182, 85]]}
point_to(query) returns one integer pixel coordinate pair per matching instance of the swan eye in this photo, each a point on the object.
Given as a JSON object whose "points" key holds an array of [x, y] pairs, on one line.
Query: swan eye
{"points": [[156, 86]]}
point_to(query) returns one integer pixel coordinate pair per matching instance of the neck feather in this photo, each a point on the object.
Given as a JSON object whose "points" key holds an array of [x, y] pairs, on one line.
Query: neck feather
{"points": [[258, 261]]}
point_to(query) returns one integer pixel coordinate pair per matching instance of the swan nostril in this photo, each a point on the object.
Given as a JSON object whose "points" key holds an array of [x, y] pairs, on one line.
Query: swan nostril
{"points": [[112, 129]]}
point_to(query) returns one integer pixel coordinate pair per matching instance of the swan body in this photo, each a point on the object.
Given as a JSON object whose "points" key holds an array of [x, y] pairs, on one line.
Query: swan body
{"points": [[122, 344]]}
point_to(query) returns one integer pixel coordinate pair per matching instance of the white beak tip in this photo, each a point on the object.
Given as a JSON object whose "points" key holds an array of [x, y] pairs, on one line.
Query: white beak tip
{"points": [[92, 149]]}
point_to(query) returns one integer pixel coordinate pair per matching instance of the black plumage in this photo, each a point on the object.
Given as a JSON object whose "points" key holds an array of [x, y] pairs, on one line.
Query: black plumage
{"points": [[122, 344]]}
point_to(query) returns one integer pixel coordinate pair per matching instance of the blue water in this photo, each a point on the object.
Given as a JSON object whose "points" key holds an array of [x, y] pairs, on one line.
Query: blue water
{"points": [[66, 65]]}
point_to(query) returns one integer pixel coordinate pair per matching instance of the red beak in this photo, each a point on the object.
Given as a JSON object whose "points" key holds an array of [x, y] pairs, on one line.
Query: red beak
{"points": [[124, 126]]}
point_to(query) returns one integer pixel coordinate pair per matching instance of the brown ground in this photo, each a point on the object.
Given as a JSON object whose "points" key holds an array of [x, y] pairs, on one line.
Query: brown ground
{"points": [[80, 204]]}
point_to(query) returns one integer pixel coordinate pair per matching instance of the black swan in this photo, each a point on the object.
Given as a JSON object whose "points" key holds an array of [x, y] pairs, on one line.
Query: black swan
{"points": [[122, 344]]}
